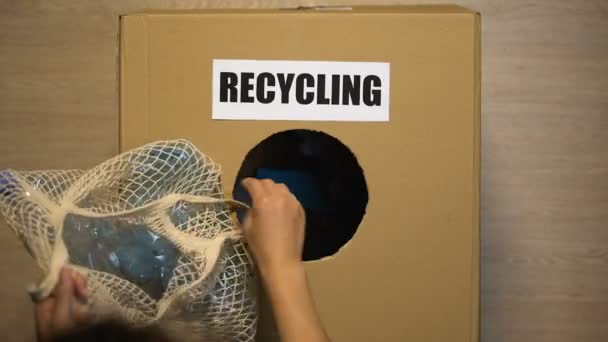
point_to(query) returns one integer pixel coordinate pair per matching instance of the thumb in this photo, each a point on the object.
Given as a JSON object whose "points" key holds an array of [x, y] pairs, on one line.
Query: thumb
{"points": [[247, 221]]}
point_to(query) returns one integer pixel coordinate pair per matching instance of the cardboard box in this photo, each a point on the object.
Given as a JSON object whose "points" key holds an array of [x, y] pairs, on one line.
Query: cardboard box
{"points": [[398, 86]]}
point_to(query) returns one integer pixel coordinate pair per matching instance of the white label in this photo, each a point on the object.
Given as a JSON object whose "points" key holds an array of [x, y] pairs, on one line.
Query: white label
{"points": [[300, 90]]}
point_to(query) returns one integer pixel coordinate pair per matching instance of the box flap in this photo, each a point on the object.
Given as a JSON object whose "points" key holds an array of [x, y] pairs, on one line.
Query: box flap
{"points": [[389, 9]]}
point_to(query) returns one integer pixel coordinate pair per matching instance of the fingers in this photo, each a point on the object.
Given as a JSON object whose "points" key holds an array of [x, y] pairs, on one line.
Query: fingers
{"points": [[80, 314], [254, 187], [65, 308], [64, 293], [80, 287], [268, 185], [281, 188], [44, 310], [246, 224], [259, 188], [43, 314]]}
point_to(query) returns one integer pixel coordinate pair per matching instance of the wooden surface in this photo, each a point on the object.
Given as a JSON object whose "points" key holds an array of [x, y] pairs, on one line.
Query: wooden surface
{"points": [[544, 147]]}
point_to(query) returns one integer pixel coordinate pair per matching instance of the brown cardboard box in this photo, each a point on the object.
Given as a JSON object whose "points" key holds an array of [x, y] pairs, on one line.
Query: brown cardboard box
{"points": [[411, 271]]}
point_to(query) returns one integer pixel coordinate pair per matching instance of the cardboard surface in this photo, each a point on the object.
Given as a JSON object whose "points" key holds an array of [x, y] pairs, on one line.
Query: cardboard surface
{"points": [[411, 272]]}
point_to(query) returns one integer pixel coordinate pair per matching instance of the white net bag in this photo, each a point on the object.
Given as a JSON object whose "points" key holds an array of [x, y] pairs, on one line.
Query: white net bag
{"points": [[152, 233]]}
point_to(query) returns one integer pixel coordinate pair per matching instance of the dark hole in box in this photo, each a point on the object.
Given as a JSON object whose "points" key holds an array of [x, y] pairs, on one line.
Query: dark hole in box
{"points": [[323, 174]]}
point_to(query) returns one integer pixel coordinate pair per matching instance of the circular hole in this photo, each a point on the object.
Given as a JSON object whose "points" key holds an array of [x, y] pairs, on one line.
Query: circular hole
{"points": [[324, 176]]}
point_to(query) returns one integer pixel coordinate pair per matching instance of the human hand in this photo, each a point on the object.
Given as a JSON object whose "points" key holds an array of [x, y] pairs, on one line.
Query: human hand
{"points": [[65, 309], [274, 229], [275, 225]]}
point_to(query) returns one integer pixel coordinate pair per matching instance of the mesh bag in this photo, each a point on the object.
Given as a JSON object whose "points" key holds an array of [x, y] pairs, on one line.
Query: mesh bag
{"points": [[151, 232]]}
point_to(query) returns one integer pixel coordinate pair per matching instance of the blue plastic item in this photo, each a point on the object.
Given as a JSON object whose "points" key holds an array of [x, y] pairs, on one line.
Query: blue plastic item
{"points": [[302, 184], [125, 249]]}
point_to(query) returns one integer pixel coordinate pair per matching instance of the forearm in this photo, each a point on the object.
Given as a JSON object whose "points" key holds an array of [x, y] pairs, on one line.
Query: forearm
{"points": [[293, 305]]}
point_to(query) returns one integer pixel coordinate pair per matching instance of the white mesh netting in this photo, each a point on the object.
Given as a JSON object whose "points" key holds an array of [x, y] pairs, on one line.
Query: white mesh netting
{"points": [[150, 230]]}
